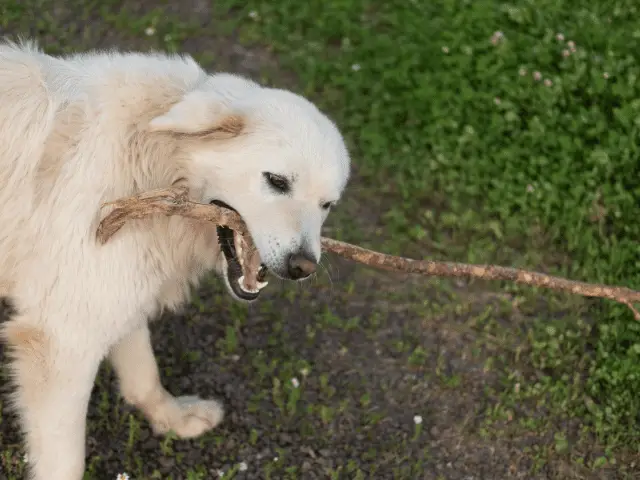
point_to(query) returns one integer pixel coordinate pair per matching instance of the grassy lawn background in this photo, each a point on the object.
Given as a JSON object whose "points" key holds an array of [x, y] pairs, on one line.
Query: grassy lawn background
{"points": [[447, 119], [481, 132]]}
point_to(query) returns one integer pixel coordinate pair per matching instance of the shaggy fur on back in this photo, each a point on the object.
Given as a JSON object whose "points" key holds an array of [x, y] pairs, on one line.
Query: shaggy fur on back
{"points": [[82, 130]]}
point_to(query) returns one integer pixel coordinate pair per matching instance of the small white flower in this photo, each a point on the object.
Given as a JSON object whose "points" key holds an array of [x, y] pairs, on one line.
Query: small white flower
{"points": [[560, 37], [530, 188], [537, 75], [243, 467], [417, 419], [275, 459], [253, 14], [547, 82], [220, 473], [295, 382], [149, 31], [304, 372], [566, 53], [571, 44], [25, 458], [497, 101], [605, 75], [355, 67], [523, 72], [445, 49], [122, 476], [496, 37]]}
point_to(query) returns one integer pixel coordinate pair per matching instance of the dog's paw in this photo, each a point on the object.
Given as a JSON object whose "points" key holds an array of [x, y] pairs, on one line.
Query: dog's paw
{"points": [[188, 417]]}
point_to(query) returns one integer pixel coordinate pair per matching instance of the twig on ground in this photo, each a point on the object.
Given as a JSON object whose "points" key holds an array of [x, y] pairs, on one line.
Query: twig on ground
{"points": [[174, 201]]}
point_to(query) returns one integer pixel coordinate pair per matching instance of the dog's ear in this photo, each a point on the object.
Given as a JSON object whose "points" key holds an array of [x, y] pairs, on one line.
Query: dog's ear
{"points": [[201, 114]]}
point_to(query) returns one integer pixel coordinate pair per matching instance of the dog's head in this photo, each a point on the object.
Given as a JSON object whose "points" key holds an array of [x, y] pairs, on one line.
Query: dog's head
{"points": [[272, 156]]}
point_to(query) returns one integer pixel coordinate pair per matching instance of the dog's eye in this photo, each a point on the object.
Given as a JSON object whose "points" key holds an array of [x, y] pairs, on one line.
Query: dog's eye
{"points": [[277, 182], [327, 205]]}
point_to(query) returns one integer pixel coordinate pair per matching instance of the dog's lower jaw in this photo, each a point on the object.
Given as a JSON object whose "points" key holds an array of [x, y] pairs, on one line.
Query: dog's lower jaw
{"points": [[233, 294], [222, 271]]}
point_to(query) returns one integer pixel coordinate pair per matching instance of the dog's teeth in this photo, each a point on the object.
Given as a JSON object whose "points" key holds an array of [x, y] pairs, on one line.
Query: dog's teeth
{"points": [[249, 290], [261, 285]]}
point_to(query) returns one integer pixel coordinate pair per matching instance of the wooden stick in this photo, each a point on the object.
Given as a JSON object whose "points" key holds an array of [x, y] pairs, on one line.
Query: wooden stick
{"points": [[165, 201], [174, 201], [484, 272]]}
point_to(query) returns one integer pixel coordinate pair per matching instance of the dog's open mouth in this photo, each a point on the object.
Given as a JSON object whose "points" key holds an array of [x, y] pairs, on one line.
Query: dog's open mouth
{"points": [[245, 272]]}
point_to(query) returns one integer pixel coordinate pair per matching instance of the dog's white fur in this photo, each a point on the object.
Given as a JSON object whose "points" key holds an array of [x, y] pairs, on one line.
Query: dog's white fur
{"points": [[82, 130]]}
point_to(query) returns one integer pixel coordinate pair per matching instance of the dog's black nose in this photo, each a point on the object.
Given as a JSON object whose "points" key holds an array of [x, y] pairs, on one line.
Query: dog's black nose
{"points": [[300, 266]]}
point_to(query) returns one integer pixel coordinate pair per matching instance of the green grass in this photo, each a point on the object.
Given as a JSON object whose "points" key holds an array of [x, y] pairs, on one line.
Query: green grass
{"points": [[437, 113], [461, 154]]}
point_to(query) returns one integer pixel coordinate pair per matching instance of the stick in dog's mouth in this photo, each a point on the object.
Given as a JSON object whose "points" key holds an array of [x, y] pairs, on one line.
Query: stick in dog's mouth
{"points": [[175, 201], [245, 271]]}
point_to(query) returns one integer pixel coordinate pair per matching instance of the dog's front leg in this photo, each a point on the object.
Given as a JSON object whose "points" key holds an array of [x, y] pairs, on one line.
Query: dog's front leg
{"points": [[140, 384], [54, 377]]}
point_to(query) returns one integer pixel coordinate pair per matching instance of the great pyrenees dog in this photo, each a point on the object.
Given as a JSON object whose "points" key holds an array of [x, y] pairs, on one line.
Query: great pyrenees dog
{"points": [[85, 129]]}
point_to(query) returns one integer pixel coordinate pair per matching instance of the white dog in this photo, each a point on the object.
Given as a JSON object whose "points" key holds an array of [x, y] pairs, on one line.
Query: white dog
{"points": [[79, 131]]}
